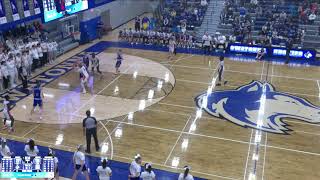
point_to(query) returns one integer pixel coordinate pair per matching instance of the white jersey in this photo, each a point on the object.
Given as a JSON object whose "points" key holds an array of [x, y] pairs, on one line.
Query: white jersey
{"points": [[207, 40], [135, 169], [104, 173], [147, 176], [5, 105], [83, 71], [5, 151], [78, 157], [189, 177], [31, 153]]}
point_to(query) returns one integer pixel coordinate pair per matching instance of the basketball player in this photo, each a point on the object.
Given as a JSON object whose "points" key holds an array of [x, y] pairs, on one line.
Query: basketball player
{"points": [[221, 71], [7, 115], [84, 77], [95, 63], [172, 46], [37, 99], [119, 60]]}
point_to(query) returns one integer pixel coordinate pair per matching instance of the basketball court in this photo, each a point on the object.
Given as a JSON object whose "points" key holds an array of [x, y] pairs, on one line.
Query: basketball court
{"points": [[151, 108]]}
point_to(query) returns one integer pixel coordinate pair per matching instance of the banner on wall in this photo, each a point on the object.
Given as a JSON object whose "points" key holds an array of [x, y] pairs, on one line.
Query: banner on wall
{"points": [[26, 10], [36, 5], [14, 8], [3, 18]]}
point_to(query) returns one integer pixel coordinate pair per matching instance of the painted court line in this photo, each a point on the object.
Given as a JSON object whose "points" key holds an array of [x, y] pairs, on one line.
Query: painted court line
{"points": [[264, 156], [31, 130], [177, 141], [94, 96], [111, 142], [177, 105]]}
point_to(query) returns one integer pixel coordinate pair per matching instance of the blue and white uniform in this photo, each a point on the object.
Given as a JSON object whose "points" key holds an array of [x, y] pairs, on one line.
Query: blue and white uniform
{"points": [[119, 60], [37, 98]]}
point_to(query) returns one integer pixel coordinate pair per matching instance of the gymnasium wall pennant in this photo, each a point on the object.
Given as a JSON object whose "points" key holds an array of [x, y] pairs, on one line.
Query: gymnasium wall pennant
{"points": [[247, 104]]}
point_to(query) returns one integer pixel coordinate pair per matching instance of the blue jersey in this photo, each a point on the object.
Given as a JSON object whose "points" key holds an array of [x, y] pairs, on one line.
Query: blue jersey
{"points": [[37, 93], [119, 57]]}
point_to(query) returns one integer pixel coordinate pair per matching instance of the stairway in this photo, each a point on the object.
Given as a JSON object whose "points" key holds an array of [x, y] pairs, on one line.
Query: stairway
{"points": [[211, 19]]}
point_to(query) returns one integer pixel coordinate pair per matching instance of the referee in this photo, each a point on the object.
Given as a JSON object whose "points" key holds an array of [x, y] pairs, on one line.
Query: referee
{"points": [[90, 129]]}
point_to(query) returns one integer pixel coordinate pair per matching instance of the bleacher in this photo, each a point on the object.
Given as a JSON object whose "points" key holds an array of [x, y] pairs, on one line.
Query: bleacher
{"points": [[303, 33]]}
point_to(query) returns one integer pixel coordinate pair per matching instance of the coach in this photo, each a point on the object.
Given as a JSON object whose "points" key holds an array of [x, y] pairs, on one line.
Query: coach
{"points": [[90, 129]]}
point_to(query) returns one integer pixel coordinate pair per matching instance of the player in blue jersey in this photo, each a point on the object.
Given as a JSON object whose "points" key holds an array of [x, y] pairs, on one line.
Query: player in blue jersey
{"points": [[37, 99]]}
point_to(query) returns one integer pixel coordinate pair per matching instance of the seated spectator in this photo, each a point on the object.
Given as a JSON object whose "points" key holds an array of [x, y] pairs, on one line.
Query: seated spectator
{"points": [[312, 17]]}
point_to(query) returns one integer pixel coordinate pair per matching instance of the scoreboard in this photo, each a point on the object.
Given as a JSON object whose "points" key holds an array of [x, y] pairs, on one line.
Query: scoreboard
{"points": [[27, 167]]}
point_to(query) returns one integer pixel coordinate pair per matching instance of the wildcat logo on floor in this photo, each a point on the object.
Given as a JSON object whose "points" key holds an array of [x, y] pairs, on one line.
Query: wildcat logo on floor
{"points": [[245, 105]]}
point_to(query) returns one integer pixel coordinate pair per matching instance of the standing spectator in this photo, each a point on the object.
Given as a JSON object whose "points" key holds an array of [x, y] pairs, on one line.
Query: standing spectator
{"points": [[186, 175], [31, 149], [90, 129], [135, 168], [44, 47], [104, 171], [137, 24], [79, 161], [40, 53], [148, 174], [6, 114], [11, 70], [5, 74], [207, 41]]}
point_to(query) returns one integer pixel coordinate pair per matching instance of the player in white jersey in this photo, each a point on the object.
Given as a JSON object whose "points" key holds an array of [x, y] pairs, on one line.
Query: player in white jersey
{"points": [[172, 46], [84, 77], [221, 72], [7, 115]]}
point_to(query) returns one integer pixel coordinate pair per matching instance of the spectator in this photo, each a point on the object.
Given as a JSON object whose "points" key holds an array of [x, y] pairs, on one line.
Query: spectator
{"points": [[206, 43], [312, 17]]}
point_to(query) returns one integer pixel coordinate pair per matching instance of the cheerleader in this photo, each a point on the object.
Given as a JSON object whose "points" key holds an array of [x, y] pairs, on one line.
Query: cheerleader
{"points": [[148, 174], [79, 161], [104, 171], [221, 71], [135, 168], [119, 60], [4, 149], [185, 175], [56, 161]]}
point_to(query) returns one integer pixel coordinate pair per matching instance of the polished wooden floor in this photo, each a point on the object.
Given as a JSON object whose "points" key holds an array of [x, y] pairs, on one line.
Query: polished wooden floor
{"points": [[215, 149], [166, 132]]}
